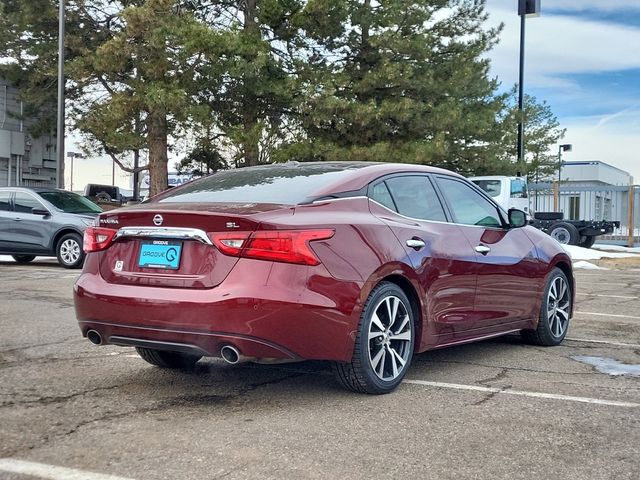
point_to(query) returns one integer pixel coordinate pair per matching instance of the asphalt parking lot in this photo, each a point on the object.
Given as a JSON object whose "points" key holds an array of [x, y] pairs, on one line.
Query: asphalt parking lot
{"points": [[496, 409]]}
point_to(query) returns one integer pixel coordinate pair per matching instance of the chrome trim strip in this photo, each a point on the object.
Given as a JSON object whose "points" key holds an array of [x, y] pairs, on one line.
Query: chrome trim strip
{"points": [[436, 221], [165, 232], [326, 200]]}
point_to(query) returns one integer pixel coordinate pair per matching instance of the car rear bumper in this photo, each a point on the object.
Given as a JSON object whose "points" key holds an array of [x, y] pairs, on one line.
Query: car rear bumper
{"points": [[267, 311]]}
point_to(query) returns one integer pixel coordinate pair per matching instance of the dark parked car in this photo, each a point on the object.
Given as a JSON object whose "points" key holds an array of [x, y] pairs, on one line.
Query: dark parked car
{"points": [[46, 222], [360, 264]]}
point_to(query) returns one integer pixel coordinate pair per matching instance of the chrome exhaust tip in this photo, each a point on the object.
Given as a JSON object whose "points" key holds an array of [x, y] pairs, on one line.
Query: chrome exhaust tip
{"points": [[94, 337], [230, 354]]}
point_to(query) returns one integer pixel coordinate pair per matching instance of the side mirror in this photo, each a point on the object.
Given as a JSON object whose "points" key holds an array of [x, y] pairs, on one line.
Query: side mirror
{"points": [[517, 218], [40, 211]]}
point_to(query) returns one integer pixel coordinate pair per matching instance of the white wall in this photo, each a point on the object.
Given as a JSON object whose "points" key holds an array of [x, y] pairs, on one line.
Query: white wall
{"points": [[594, 171], [93, 170]]}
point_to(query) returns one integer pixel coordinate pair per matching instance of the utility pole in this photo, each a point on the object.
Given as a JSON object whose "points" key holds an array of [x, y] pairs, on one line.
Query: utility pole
{"points": [[60, 133]]}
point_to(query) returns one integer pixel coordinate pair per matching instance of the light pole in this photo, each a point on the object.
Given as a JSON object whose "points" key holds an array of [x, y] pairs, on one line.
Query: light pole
{"points": [[566, 147], [526, 8], [60, 135]]}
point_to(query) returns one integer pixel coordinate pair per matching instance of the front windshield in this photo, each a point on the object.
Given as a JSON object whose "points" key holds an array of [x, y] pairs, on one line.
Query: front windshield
{"points": [[70, 202], [518, 188]]}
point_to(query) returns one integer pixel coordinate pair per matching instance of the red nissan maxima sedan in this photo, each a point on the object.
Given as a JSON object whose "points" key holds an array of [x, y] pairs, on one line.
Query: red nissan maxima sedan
{"points": [[360, 264]]}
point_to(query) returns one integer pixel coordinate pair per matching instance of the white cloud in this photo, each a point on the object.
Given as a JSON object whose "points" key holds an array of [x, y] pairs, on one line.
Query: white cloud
{"points": [[559, 45]]}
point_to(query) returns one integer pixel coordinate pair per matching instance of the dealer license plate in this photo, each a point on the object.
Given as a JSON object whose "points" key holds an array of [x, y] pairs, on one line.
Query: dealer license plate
{"points": [[160, 254]]}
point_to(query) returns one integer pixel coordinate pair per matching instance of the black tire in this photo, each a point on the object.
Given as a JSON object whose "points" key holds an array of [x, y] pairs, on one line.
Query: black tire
{"points": [[360, 375], [162, 359], [588, 241], [565, 233], [547, 333], [69, 251], [22, 259]]}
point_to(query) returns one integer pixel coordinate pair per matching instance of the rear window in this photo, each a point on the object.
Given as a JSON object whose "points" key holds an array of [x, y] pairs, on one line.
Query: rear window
{"points": [[283, 184]]}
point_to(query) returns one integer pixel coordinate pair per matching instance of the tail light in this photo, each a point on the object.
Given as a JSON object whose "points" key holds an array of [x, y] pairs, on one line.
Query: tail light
{"points": [[96, 238], [289, 246]]}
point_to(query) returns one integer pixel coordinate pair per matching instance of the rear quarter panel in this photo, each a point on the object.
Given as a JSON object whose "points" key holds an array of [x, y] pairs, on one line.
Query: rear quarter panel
{"points": [[362, 252]]}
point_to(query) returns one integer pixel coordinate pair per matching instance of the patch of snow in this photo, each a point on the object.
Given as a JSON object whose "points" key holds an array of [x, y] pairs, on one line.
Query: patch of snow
{"points": [[579, 253], [616, 248], [610, 366], [587, 265]]}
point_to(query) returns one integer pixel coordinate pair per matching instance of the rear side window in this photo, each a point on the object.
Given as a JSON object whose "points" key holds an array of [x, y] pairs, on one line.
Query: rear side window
{"points": [[282, 184], [467, 205], [4, 201], [24, 203], [380, 193], [415, 197]]}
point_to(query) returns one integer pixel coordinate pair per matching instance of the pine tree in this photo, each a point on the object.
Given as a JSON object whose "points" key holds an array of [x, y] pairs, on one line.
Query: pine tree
{"points": [[542, 132], [252, 83], [404, 81], [145, 75]]}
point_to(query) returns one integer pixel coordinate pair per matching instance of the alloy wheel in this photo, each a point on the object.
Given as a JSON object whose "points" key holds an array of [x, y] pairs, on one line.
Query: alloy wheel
{"points": [[69, 251], [558, 302], [390, 338]]}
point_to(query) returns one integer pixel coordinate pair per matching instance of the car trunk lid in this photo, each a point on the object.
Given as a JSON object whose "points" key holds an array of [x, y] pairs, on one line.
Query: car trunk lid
{"points": [[164, 245]]}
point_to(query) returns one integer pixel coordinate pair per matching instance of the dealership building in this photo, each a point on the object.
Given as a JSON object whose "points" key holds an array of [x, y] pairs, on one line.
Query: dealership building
{"points": [[24, 160]]}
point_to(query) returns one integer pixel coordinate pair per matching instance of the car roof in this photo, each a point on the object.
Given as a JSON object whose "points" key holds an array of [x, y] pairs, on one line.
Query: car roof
{"points": [[354, 176], [33, 189], [363, 173]]}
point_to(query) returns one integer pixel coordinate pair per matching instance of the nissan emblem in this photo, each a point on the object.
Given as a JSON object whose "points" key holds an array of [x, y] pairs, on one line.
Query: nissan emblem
{"points": [[157, 220]]}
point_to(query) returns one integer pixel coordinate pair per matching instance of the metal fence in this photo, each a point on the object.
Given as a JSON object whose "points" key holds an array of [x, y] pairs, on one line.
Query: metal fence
{"points": [[590, 202]]}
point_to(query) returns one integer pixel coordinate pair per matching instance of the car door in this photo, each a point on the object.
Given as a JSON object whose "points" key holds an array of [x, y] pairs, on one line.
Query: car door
{"points": [[30, 232], [440, 254], [5, 219], [507, 263]]}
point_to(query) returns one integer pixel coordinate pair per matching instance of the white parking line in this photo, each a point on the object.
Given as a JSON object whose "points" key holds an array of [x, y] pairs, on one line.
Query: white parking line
{"points": [[608, 273], [604, 342], [42, 470], [607, 315], [607, 296], [521, 393]]}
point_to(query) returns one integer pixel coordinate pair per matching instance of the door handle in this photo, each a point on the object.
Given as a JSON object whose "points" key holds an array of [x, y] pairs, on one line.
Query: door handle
{"points": [[483, 249], [17, 219], [415, 243]]}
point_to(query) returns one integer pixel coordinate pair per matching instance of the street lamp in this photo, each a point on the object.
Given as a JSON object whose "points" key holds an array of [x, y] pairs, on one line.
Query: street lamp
{"points": [[556, 191], [562, 148], [526, 8]]}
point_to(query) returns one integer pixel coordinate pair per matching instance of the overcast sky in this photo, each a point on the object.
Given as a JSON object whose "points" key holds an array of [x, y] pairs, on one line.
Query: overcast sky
{"points": [[583, 58]]}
